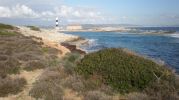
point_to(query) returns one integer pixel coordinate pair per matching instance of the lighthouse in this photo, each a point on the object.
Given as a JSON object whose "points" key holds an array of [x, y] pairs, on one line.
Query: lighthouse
{"points": [[57, 22]]}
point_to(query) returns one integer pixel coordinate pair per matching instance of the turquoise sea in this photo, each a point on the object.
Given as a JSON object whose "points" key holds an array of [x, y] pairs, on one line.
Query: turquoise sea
{"points": [[162, 46]]}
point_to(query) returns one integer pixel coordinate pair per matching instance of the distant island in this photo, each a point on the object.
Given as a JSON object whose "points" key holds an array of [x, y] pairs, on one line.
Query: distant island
{"points": [[112, 28]]}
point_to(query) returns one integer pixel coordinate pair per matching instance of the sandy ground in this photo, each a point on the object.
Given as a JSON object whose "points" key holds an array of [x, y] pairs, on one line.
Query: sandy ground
{"points": [[47, 34], [50, 37]]}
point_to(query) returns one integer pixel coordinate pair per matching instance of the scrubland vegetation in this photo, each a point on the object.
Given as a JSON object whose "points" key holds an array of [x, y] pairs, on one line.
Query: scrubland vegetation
{"points": [[144, 81], [126, 73], [122, 71], [34, 28], [5, 26], [18, 53], [109, 74]]}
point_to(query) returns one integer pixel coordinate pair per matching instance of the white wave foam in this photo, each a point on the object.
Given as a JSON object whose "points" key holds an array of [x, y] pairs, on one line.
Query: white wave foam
{"points": [[176, 35], [92, 42]]}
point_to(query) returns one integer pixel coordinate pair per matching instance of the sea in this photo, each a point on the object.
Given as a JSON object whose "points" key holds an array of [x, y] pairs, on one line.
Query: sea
{"points": [[163, 47]]}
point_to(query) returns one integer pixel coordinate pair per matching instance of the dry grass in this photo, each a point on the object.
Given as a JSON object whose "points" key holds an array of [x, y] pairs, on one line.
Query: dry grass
{"points": [[49, 50], [18, 53], [25, 50], [9, 65], [47, 90], [27, 57], [48, 86], [33, 65], [74, 83], [11, 86], [3, 57], [96, 95], [162, 90], [56, 73], [137, 96]]}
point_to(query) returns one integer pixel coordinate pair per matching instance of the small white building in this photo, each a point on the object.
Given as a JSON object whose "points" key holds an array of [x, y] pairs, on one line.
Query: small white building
{"points": [[74, 27]]}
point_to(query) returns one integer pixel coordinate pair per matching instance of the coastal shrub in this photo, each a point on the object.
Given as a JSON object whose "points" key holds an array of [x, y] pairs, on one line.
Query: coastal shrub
{"points": [[3, 57], [75, 83], [54, 72], [69, 62], [93, 83], [69, 67], [9, 66], [7, 30], [27, 57], [11, 86], [107, 89], [177, 82], [7, 33], [48, 87], [72, 57], [50, 50], [54, 62], [123, 71], [137, 96], [162, 91], [47, 90], [96, 95], [80, 85], [44, 49], [52, 55], [5, 26], [28, 45], [34, 28], [33, 65]]}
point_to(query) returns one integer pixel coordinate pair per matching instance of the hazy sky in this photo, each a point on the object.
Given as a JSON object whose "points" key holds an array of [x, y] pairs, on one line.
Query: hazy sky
{"points": [[43, 12]]}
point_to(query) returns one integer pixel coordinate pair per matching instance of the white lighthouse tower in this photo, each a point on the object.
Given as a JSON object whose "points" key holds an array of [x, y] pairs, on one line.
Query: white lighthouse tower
{"points": [[57, 24]]}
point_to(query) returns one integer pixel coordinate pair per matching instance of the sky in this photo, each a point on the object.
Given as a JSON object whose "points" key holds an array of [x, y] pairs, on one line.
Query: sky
{"points": [[44, 12]]}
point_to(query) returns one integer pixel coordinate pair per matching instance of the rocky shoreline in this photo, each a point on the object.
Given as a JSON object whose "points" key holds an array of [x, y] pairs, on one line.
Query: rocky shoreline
{"points": [[73, 48]]}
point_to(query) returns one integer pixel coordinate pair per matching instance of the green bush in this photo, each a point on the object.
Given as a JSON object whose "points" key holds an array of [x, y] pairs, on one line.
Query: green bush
{"points": [[7, 33], [4, 26], [72, 57], [7, 30], [34, 28], [123, 71], [69, 62]]}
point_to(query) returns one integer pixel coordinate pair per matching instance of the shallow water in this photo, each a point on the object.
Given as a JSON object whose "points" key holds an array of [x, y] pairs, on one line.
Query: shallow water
{"points": [[163, 47]]}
